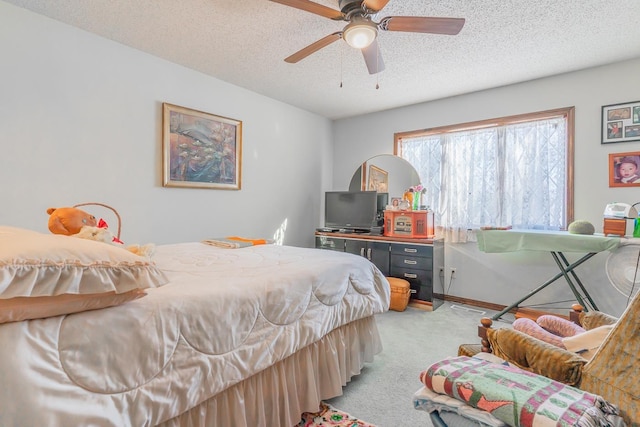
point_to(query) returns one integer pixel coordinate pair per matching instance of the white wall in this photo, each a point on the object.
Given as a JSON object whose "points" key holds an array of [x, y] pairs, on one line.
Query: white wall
{"points": [[81, 121], [501, 278]]}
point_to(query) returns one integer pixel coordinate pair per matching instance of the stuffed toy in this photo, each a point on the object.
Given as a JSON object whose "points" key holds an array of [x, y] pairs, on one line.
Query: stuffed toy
{"points": [[71, 221]]}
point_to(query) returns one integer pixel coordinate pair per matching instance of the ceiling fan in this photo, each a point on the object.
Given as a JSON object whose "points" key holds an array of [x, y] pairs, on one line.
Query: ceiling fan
{"points": [[361, 31]]}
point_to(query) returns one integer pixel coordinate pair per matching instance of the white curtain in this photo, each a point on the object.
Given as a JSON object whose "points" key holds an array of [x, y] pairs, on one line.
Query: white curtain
{"points": [[513, 175]]}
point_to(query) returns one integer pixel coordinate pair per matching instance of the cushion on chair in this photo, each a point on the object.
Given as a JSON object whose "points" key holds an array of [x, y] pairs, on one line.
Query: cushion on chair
{"points": [[559, 326], [593, 319], [536, 356], [531, 328]]}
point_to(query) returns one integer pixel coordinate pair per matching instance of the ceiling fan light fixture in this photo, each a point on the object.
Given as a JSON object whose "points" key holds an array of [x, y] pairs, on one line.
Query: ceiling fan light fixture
{"points": [[360, 33]]}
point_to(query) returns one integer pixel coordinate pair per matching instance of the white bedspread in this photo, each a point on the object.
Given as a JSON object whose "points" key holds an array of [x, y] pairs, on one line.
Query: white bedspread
{"points": [[225, 315]]}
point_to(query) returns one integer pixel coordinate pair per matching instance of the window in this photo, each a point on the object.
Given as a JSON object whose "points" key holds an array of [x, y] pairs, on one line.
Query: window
{"points": [[514, 171]]}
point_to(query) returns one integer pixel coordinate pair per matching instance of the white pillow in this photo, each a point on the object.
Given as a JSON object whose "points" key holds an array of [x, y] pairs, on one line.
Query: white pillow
{"points": [[35, 264]]}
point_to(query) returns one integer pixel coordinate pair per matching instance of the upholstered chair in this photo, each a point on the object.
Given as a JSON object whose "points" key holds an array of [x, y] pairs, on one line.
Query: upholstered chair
{"points": [[611, 373]]}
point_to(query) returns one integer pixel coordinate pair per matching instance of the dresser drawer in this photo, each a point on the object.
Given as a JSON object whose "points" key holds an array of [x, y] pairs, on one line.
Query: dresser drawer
{"points": [[419, 277], [411, 250], [419, 280], [402, 261], [330, 243]]}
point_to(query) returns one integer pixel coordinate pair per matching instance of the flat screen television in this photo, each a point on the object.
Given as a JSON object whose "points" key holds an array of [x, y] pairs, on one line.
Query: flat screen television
{"points": [[350, 210]]}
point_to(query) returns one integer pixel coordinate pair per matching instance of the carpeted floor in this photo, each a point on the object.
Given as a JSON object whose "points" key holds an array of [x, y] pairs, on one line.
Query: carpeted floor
{"points": [[330, 416], [412, 340]]}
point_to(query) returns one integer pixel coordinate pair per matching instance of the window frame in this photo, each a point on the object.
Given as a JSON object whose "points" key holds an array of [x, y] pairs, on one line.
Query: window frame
{"points": [[567, 112]]}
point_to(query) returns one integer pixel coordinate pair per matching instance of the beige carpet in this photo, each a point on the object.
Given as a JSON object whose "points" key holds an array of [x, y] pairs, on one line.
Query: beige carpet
{"points": [[412, 340]]}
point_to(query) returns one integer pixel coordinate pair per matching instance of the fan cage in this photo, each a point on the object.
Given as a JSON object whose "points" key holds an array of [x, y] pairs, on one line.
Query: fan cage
{"points": [[623, 269]]}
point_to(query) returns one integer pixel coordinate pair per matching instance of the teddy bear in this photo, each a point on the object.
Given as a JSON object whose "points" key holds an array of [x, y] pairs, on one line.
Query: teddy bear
{"points": [[71, 221]]}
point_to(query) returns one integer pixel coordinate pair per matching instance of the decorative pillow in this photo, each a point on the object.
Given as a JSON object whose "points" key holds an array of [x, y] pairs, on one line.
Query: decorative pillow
{"points": [[34, 264], [532, 329], [27, 308], [559, 326]]}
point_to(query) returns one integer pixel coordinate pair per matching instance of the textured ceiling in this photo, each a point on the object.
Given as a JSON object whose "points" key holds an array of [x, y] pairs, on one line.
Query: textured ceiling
{"points": [[244, 42]]}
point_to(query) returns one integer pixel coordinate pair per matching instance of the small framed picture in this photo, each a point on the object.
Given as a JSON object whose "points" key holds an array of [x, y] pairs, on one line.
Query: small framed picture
{"points": [[621, 122], [378, 179], [624, 169]]}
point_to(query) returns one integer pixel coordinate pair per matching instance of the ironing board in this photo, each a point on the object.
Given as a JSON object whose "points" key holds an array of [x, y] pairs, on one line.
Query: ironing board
{"points": [[556, 243]]}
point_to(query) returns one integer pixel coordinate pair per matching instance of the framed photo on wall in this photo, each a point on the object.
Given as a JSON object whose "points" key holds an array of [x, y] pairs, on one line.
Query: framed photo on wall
{"points": [[378, 179], [621, 122], [624, 169], [200, 150]]}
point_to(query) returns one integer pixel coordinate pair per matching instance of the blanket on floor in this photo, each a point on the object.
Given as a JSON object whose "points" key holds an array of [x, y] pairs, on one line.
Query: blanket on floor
{"points": [[517, 397]]}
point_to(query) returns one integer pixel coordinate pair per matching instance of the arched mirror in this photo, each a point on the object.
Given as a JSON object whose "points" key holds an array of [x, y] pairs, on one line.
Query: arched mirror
{"points": [[385, 173]]}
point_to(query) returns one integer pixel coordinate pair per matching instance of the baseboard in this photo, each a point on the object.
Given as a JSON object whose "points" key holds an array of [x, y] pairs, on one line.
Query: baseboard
{"points": [[517, 312], [477, 303]]}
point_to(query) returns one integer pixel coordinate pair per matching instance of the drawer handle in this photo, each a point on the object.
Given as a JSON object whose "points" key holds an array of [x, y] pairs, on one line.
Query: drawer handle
{"points": [[410, 276], [410, 262], [411, 251]]}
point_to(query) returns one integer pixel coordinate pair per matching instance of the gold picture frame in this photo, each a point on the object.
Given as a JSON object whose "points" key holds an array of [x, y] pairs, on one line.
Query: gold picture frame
{"points": [[200, 150], [378, 179]]}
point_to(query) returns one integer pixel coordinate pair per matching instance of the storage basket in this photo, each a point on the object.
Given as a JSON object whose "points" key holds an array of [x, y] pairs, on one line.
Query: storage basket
{"points": [[400, 293], [115, 212]]}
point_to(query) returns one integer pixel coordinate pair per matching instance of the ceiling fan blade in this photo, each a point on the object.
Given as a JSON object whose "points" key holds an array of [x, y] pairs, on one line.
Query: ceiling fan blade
{"points": [[312, 7], [313, 47], [373, 57], [375, 5], [422, 24]]}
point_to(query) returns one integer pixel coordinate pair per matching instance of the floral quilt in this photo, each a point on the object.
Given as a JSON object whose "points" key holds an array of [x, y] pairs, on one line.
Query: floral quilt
{"points": [[517, 397]]}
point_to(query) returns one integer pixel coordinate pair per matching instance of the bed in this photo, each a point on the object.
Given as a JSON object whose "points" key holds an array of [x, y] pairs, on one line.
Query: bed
{"points": [[211, 337]]}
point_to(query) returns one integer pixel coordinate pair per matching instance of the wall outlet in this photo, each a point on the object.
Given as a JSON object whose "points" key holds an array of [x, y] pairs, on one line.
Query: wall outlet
{"points": [[453, 272], [441, 270]]}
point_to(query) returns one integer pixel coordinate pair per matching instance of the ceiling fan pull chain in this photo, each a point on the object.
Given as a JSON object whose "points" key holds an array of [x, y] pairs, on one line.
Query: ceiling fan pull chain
{"points": [[341, 55], [378, 67]]}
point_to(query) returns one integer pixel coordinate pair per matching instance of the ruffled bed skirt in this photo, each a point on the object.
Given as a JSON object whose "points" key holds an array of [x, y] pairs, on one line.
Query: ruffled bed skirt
{"points": [[278, 395]]}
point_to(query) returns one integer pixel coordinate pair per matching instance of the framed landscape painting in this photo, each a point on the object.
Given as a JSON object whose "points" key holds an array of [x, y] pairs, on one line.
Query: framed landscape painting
{"points": [[200, 150]]}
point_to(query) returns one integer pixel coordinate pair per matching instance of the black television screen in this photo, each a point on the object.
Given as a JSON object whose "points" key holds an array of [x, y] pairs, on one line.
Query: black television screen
{"points": [[351, 210]]}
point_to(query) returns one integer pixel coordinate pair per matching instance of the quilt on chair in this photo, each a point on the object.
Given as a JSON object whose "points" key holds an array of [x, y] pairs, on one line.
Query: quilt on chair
{"points": [[517, 397]]}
